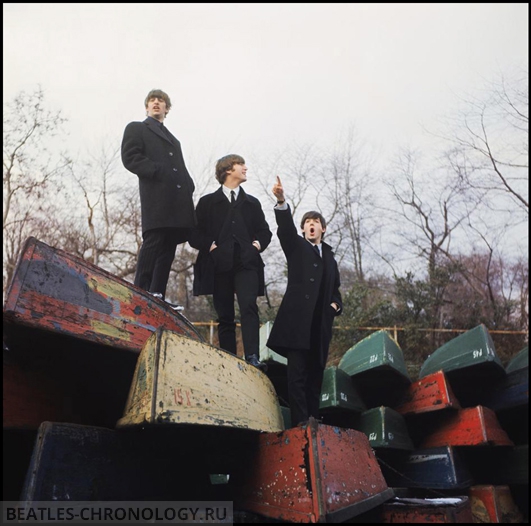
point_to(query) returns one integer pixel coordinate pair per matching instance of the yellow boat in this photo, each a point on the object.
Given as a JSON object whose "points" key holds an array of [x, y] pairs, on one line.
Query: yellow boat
{"points": [[180, 380]]}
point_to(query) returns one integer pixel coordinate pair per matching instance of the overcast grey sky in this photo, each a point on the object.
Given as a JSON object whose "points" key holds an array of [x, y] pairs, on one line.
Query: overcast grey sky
{"points": [[259, 76]]}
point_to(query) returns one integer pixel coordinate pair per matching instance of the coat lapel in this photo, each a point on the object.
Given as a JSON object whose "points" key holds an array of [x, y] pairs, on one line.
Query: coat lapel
{"points": [[156, 130]]}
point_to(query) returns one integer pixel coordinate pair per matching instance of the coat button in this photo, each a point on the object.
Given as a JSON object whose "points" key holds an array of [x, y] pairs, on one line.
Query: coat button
{"points": [[307, 296], [175, 170], [315, 265], [312, 279], [171, 154], [178, 186]]}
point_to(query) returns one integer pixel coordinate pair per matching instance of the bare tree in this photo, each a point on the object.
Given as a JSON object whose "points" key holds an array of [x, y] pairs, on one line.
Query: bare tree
{"points": [[491, 132], [29, 170], [346, 194], [432, 209]]}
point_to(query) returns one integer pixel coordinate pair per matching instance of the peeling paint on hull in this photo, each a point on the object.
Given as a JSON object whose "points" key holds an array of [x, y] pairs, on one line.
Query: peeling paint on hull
{"points": [[312, 473], [179, 380], [431, 393], [55, 291]]}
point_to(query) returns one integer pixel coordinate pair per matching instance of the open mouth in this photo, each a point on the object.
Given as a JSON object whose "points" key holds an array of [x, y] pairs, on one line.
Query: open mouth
{"points": [[312, 231]]}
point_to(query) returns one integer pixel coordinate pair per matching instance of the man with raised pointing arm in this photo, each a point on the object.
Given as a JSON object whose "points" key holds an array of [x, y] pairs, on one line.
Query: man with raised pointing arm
{"points": [[303, 327]]}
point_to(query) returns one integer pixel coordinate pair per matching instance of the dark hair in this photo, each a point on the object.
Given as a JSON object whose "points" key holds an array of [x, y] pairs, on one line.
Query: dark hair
{"points": [[312, 214], [226, 164], [159, 94]]}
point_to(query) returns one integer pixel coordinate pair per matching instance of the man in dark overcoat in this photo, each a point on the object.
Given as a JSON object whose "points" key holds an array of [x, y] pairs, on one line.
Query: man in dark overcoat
{"points": [[151, 152], [303, 326], [231, 233]]}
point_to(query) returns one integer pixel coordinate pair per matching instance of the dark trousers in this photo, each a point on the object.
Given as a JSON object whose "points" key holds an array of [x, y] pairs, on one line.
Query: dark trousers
{"points": [[305, 379], [243, 282], [156, 257]]}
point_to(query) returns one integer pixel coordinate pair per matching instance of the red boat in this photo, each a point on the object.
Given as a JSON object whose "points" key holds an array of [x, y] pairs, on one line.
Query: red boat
{"points": [[473, 426], [494, 504], [73, 333], [428, 510], [312, 473], [431, 393]]}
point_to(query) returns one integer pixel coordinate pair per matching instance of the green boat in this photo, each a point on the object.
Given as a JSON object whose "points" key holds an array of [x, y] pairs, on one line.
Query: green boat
{"points": [[339, 393], [377, 366], [470, 363], [385, 428], [520, 361], [471, 349]]}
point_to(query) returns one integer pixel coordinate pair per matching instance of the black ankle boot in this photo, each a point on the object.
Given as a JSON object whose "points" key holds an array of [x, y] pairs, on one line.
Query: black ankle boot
{"points": [[253, 360]]}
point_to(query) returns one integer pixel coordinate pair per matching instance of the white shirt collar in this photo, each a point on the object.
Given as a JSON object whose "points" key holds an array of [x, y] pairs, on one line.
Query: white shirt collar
{"points": [[227, 191]]}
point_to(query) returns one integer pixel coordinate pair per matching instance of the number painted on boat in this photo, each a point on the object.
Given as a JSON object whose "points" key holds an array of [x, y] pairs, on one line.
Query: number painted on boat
{"points": [[390, 436], [343, 396], [373, 358], [477, 354], [182, 397], [325, 397], [372, 436]]}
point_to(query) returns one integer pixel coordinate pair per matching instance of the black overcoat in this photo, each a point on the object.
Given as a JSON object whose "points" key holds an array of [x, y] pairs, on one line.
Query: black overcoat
{"points": [[166, 187], [217, 221], [306, 271]]}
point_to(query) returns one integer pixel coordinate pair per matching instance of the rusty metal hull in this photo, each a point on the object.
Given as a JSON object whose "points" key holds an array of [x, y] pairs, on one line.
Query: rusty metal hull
{"points": [[431, 393], [179, 380], [54, 292], [312, 473], [474, 426], [494, 504]]}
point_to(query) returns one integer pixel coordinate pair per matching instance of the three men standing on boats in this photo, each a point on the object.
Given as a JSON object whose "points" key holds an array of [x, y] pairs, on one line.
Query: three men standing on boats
{"points": [[230, 231]]}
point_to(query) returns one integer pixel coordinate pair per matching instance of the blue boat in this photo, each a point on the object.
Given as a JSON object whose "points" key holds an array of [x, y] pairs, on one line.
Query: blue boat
{"points": [[431, 468]]}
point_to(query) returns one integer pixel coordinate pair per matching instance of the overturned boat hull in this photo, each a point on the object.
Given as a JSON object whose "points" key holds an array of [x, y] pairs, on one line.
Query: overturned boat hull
{"points": [[312, 473], [179, 380], [54, 293]]}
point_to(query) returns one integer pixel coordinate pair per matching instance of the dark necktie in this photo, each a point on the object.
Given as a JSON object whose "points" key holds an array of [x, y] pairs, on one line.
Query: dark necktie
{"points": [[316, 248], [232, 197]]}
